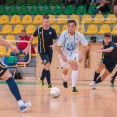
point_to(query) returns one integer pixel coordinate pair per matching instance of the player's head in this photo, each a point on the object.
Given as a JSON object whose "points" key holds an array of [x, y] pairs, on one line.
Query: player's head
{"points": [[71, 26], [23, 33], [107, 38], [46, 21]]}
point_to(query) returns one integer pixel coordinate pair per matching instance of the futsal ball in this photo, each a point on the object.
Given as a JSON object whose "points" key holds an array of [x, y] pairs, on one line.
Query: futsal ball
{"points": [[55, 92]]}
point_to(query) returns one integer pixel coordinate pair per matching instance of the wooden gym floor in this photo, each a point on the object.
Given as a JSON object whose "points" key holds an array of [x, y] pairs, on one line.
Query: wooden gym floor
{"points": [[101, 102]]}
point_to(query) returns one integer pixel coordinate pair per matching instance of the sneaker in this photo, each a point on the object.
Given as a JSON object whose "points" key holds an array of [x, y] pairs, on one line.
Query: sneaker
{"points": [[25, 106], [92, 83], [74, 90], [65, 84], [49, 86], [41, 83], [112, 80]]}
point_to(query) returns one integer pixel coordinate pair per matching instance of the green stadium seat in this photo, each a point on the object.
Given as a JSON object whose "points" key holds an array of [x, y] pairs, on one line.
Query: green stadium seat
{"points": [[46, 10], [90, 10], [9, 2], [41, 2], [57, 10], [2, 10], [30, 2], [60, 2], [53, 2], [20, 2], [81, 10], [34, 10], [23, 10], [12, 10], [69, 10]]}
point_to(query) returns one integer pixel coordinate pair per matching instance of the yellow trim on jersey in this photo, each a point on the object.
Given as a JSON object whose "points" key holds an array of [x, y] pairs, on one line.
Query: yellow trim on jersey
{"points": [[43, 40], [73, 61], [2, 66], [1, 71]]}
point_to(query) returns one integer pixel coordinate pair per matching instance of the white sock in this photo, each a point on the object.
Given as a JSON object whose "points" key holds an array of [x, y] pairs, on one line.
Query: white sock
{"points": [[74, 77], [64, 77], [20, 103]]}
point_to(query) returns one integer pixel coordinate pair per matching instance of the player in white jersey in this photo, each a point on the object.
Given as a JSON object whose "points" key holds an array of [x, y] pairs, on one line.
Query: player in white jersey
{"points": [[68, 53]]}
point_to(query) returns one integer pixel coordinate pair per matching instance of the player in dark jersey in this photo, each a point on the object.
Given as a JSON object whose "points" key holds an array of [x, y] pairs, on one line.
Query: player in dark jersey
{"points": [[46, 36], [108, 60], [6, 76]]}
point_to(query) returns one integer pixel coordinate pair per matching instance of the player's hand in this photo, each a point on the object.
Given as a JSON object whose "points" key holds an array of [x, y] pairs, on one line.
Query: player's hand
{"points": [[14, 49], [52, 46], [64, 58], [99, 51], [25, 51], [80, 59]]}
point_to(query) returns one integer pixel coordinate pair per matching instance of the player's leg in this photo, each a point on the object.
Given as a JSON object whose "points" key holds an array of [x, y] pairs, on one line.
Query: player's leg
{"points": [[113, 78], [101, 66], [6, 76], [74, 75]]}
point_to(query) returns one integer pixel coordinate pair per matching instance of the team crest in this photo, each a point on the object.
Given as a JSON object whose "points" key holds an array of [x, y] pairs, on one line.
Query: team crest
{"points": [[50, 33], [70, 46]]}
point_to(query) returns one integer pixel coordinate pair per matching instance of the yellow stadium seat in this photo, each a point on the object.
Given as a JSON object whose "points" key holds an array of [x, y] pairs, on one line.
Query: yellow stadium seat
{"points": [[30, 29], [62, 19], [17, 29], [8, 52], [15, 19], [7, 29], [98, 19], [4, 19], [51, 19], [81, 29], [2, 50], [114, 30], [65, 27], [57, 28], [104, 29], [92, 30], [110, 21], [75, 17], [35, 41], [11, 37], [37, 19], [27, 19], [86, 17]]}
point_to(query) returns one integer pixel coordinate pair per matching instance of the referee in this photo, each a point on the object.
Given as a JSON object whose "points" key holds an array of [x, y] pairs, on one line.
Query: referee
{"points": [[47, 40]]}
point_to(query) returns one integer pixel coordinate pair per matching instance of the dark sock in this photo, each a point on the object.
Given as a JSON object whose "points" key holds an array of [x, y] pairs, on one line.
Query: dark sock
{"points": [[43, 75], [115, 74], [13, 88], [47, 74], [98, 80], [96, 76]]}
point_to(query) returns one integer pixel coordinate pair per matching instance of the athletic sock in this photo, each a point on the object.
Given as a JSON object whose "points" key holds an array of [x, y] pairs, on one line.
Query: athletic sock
{"points": [[43, 75], [74, 77], [64, 77], [96, 76], [47, 75], [98, 80], [115, 74]]}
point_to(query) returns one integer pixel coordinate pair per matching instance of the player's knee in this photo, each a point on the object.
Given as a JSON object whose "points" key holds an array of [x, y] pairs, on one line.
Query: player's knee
{"points": [[47, 66], [6, 75], [65, 71]]}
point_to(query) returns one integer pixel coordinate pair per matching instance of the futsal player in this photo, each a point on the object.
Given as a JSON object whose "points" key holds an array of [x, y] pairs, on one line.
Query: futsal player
{"points": [[47, 40], [108, 60], [6, 76], [68, 53]]}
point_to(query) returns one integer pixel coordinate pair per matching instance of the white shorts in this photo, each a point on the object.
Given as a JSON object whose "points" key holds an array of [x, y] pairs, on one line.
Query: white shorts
{"points": [[64, 65]]}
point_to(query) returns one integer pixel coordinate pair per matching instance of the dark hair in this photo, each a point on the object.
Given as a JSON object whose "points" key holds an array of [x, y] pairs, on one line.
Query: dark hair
{"points": [[72, 21], [107, 35], [23, 31], [45, 17]]}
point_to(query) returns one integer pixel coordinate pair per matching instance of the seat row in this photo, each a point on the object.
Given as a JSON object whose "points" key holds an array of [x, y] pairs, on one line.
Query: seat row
{"points": [[62, 19]]}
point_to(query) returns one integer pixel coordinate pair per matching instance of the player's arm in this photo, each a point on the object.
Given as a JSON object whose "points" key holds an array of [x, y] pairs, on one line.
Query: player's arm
{"points": [[86, 47], [30, 41], [6, 43], [106, 50]]}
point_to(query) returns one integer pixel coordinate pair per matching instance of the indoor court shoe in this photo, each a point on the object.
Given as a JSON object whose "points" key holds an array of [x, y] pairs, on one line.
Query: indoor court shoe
{"points": [[92, 83], [49, 86], [112, 80], [26, 105], [74, 90], [41, 83], [65, 84]]}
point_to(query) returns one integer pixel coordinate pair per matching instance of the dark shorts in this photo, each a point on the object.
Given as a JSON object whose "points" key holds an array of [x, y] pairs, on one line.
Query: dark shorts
{"points": [[105, 8], [3, 69], [110, 65], [46, 57]]}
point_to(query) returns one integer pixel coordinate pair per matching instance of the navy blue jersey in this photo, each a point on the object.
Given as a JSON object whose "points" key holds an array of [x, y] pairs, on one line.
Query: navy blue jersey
{"points": [[112, 56]]}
